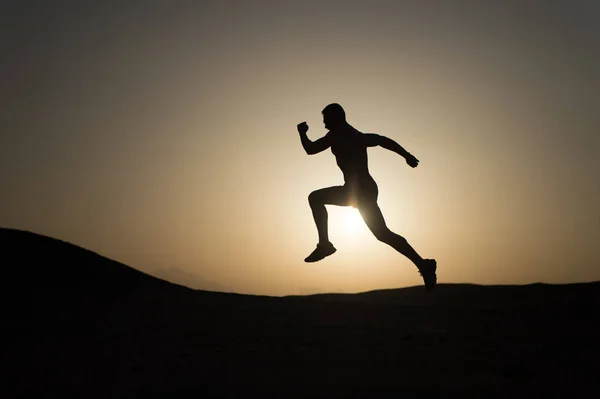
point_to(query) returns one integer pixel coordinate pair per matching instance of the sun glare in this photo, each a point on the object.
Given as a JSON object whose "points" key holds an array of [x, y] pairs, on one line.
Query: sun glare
{"points": [[353, 222]]}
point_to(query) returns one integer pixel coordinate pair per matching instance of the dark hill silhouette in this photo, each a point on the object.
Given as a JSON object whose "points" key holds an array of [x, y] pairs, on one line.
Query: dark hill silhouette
{"points": [[79, 324], [506, 296], [45, 274], [33, 256]]}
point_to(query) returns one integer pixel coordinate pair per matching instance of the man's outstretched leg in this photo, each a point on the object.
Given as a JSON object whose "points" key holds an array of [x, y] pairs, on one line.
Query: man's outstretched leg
{"points": [[374, 220], [318, 199]]}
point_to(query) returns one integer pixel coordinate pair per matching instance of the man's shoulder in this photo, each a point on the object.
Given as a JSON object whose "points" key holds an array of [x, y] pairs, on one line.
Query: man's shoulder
{"points": [[344, 133], [356, 131]]}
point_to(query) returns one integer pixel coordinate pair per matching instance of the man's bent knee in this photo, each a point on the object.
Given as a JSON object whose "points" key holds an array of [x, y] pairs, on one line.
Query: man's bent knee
{"points": [[387, 236], [382, 234], [314, 198]]}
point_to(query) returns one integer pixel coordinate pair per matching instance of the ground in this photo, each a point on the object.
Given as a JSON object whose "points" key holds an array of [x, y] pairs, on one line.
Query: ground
{"points": [[130, 335]]}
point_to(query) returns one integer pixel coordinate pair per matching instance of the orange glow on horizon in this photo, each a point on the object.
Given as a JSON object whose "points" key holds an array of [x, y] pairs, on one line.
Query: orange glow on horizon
{"points": [[166, 139]]}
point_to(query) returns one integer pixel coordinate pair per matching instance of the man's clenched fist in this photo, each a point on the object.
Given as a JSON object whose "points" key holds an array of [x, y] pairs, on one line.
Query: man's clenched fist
{"points": [[302, 128]]}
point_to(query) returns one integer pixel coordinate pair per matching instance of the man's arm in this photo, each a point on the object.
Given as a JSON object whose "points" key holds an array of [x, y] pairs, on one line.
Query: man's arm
{"points": [[312, 147], [373, 140]]}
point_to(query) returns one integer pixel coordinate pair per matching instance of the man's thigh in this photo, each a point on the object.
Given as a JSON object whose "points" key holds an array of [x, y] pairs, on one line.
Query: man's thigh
{"points": [[371, 214], [336, 195]]}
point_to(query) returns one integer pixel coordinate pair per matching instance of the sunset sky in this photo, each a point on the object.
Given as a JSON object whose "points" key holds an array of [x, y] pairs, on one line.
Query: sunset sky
{"points": [[162, 134]]}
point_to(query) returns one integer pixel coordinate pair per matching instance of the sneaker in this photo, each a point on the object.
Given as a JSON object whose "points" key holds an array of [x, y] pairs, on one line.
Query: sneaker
{"points": [[427, 271], [321, 252]]}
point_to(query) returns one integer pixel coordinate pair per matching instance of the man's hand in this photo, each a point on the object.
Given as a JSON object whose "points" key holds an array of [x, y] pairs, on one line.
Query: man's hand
{"points": [[411, 160], [302, 128]]}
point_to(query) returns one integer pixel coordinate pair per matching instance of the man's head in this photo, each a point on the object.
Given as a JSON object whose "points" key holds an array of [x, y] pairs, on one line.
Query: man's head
{"points": [[333, 116]]}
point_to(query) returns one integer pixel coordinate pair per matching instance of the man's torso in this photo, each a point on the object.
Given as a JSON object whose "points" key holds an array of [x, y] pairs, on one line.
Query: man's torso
{"points": [[350, 151]]}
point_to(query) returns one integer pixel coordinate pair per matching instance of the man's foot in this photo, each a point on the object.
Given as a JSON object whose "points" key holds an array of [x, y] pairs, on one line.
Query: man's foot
{"points": [[321, 252], [427, 270]]}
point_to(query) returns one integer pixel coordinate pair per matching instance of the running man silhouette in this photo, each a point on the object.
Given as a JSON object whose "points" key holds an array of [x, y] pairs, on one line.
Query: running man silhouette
{"points": [[359, 190]]}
